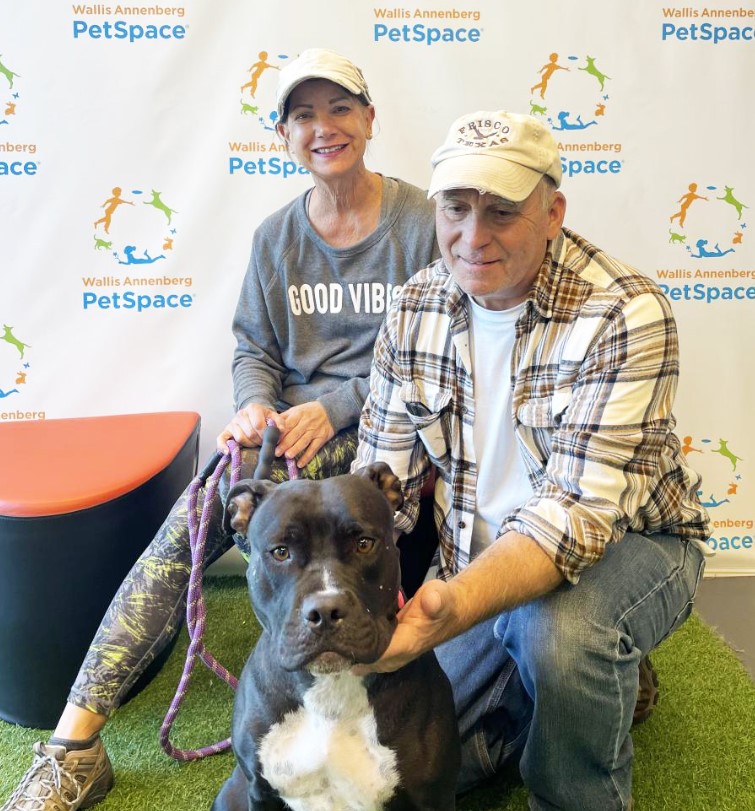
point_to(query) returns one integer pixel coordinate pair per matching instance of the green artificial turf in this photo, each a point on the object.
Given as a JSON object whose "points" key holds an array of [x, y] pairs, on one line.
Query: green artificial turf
{"points": [[697, 752]]}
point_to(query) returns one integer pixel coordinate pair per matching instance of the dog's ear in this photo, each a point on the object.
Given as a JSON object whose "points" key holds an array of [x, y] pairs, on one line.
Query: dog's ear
{"points": [[242, 501], [385, 480]]}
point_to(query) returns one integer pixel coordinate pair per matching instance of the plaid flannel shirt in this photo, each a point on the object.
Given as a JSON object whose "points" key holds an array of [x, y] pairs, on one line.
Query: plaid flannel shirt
{"points": [[593, 377]]}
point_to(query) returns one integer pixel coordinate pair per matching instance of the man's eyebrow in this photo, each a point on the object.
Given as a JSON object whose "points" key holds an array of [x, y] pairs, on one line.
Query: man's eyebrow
{"points": [[504, 203], [495, 201]]}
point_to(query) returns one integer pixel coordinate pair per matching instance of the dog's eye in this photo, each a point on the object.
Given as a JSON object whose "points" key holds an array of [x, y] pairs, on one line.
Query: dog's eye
{"points": [[280, 553], [365, 545]]}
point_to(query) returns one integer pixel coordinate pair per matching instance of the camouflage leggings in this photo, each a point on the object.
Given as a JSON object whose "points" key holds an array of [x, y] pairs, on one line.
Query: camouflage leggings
{"points": [[149, 607]]}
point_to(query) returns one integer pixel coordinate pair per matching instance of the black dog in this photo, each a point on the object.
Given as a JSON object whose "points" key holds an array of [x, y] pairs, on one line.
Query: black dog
{"points": [[308, 734]]}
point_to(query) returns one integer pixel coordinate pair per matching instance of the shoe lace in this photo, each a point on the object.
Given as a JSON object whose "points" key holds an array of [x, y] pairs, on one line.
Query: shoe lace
{"points": [[49, 773]]}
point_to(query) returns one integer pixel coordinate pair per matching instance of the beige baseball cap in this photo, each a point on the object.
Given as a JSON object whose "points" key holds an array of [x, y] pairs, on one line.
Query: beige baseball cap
{"points": [[496, 152], [320, 63]]}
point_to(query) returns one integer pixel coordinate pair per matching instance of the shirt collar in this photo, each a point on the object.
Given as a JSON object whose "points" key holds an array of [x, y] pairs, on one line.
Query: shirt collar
{"points": [[545, 289]]}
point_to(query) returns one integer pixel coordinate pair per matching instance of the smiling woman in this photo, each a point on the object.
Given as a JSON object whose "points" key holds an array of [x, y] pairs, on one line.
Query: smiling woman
{"points": [[326, 119]]}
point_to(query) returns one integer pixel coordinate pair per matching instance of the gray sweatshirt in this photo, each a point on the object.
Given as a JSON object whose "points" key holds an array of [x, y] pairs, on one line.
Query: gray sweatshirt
{"points": [[308, 313]]}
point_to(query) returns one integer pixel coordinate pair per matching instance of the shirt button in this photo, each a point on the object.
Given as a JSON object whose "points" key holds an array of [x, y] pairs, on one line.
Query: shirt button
{"points": [[461, 525]]}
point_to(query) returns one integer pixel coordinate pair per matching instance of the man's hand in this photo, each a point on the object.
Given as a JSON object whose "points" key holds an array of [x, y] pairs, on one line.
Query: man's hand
{"points": [[428, 619], [304, 430], [511, 571], [247, 427]]}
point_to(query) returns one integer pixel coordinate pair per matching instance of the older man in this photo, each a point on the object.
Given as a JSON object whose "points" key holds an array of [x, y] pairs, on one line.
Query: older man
{"points": [[534, 376]]}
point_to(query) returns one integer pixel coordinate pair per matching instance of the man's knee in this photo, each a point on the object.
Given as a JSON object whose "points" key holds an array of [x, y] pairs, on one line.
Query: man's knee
{"points": [[552, 640]]}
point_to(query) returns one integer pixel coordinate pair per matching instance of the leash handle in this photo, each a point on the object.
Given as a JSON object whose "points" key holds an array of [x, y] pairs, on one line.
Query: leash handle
{"points": [[207, 470], [267, 453], [265, 460]]}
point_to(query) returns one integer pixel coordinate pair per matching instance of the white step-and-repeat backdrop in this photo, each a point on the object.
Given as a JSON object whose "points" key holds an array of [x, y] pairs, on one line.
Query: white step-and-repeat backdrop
{"points": [[138, 153]]}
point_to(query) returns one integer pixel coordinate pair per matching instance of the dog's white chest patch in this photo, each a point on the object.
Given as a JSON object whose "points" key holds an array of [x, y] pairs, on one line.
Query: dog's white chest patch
{"points": [[326, 756]]}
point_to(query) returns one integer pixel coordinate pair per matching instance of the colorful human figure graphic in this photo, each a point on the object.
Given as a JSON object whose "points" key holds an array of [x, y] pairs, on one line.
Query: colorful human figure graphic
{"points": [[157, 203], [270, 122], [723, 449], [255, 71], [110, 205], [577, 124], [686, 201], [13, 341], [705, 253], [712, 501], [687, 446], [9, 74], [547, 70], [732, 200], [144, 259], [593, 71]]}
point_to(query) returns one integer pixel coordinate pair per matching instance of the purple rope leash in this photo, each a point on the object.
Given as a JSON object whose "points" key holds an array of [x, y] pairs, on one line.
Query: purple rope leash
{"points": [[196, 611]]}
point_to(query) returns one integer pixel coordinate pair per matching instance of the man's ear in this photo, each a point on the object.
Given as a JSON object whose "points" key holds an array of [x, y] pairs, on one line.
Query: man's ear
{"points": [[385, 480], [241, 503], [556, 214]]}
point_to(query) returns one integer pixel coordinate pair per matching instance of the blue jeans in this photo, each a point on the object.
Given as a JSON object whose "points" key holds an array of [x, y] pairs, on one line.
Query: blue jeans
{"points": [[554, 682]]}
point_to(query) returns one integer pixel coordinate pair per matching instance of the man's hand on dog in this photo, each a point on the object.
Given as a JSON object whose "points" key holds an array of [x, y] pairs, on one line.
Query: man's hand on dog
{"points": [[428, 619], [304, 429]]}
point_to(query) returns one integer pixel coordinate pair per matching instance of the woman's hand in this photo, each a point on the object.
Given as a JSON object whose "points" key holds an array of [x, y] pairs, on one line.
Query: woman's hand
{"points": [[247, 427], [304, 430]]}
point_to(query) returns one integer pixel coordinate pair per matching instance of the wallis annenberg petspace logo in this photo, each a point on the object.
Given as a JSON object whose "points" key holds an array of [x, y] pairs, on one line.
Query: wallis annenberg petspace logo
{"points": [[572, 93], [707, 241], [128, 24], [135, 234]]}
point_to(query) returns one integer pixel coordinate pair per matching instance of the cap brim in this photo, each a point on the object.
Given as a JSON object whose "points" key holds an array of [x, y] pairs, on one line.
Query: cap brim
{"points": [[283, 94], [486, 173]]}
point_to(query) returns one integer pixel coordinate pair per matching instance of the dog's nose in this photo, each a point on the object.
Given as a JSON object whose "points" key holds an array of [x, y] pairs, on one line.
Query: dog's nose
{"points": [[325, 610]]}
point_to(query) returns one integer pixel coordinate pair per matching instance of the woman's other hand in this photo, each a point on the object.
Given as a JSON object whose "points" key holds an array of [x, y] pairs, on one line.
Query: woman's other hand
{"points": [[304, 430]]}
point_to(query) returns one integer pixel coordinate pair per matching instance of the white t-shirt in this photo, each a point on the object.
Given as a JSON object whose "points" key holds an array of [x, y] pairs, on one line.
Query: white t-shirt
{"points": [[502, 482]]}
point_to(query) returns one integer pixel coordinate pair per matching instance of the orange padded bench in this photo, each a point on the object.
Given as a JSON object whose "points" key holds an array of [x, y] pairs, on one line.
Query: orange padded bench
{"points": [[80, 499]]}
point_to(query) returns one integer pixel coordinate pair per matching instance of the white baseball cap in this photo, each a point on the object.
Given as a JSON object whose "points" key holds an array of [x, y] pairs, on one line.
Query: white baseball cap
{"points": [[496, 152], [320, 63]]}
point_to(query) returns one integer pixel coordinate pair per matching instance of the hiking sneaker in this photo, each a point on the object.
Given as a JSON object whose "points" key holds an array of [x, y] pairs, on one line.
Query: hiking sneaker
{"points": [[647, 695], [59, 780]]}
